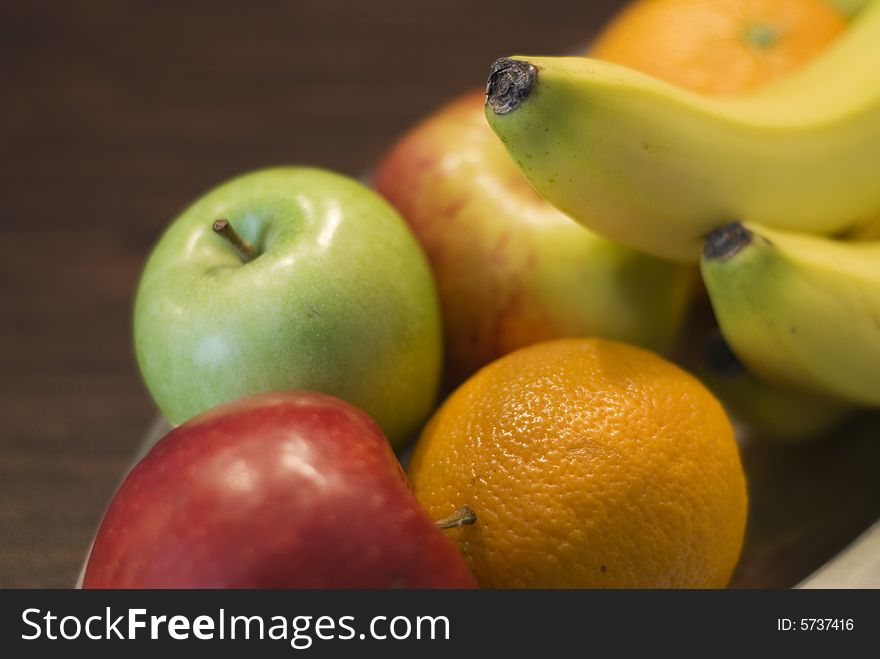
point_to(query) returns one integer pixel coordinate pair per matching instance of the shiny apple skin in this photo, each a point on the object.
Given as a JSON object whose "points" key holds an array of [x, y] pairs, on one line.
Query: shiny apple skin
{"points": [[512, 270], [340, 300], [277, 490]]}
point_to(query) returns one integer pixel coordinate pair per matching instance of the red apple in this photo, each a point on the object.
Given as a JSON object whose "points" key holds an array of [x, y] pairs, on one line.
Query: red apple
{"points": [[278, 490], [511, 269]]}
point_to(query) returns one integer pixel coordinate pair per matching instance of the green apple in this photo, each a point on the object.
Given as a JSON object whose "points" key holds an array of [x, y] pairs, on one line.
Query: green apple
{"points": [[312, 282]]}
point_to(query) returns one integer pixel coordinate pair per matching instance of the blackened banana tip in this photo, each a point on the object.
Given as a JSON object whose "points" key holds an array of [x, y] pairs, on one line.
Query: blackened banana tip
{"points": [[510, 82], [726, 242]]}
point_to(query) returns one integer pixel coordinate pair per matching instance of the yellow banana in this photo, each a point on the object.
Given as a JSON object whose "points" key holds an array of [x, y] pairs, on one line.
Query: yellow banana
{"points": [[799, 310], [657, 168]]}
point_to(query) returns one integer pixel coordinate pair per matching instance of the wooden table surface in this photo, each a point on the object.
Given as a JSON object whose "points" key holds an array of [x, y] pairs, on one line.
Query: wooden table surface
{"points": [[116, 114]]}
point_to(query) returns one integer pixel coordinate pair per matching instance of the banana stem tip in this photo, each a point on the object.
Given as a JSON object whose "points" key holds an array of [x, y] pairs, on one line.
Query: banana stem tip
{"points": [[510, 82], [726, 242]]}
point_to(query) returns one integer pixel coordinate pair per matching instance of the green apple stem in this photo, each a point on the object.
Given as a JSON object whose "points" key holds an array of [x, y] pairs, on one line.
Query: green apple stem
{"points": [[462, 516], [245, 250]]}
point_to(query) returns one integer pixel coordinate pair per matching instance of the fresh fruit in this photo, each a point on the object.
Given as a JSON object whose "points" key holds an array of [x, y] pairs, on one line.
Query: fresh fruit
{"points": [[799, 310], [587, 463], [510, 269], [768, 411], [278, 490], [657, 168], [849, 8], [336, 297], [869, 230], [718, 47]]}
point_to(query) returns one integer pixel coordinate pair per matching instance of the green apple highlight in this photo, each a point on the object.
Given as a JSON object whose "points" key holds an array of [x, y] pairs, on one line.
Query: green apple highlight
{"points": [[327, 291]]}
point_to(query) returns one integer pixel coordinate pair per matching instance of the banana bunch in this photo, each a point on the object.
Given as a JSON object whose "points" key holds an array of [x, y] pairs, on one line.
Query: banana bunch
{"points": [[779, 191], [657, 168]]}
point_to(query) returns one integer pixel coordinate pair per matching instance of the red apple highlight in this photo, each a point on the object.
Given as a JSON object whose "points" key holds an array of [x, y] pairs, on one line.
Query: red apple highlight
{"points": [[277, 490]]}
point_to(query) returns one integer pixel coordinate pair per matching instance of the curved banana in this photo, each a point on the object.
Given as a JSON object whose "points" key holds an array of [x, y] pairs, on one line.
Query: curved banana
{"points": [[657, 168], [799, 310], [768, 411]]}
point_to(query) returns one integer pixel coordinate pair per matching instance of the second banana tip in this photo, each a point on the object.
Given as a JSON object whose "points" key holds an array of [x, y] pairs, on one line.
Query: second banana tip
{"points": [[726, 241]]}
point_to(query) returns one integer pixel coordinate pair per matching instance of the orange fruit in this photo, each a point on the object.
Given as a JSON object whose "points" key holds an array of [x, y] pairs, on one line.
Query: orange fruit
{"points": [[718, 47], [588, 463]]}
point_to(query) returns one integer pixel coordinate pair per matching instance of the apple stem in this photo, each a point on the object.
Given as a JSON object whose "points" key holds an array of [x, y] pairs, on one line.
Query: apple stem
{"points": [[462, 516], [245, 250]]}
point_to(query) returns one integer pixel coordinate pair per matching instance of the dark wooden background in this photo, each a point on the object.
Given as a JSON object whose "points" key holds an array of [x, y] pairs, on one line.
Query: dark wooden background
{"points": [[115, 114]]}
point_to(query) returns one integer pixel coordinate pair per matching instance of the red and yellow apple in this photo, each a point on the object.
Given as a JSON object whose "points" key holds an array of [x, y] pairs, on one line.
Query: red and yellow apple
{"points": [[512, 270]]}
